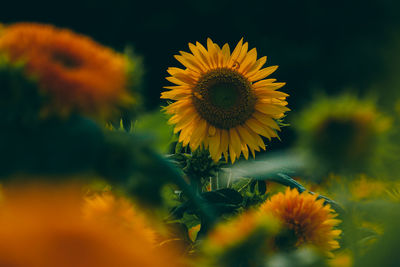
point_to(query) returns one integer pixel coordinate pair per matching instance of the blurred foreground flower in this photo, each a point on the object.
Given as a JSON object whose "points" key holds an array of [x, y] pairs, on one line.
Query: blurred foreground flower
{"points": [[75, 71], [343, 132], [242, 241], [308, 220], [45, 226], [223, 101]]}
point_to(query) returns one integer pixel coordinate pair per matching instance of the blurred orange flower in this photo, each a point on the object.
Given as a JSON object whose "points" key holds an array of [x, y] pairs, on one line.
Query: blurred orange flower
{"points": [[45, 226], [78, 73], [119, 213], [312, 221]]}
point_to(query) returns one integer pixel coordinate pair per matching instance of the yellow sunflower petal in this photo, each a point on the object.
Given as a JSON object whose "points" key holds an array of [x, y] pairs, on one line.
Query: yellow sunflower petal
{"points": [[204, 54], [188, 63], [224, 142], [261, 74], [256, 137], [248, 139], [243, 53], [270, 108], [256, 66], [245, 151], [270, 87], [235, 53], [235, 140], [258, 127], [211, 53], [214, 145], [197, 135], [263, 83], [199, 56], [249, 61], [232, 154], [226, 55]]}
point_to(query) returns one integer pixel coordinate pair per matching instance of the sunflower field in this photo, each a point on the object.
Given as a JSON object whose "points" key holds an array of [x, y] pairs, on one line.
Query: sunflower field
{"points": [[160, 134]]}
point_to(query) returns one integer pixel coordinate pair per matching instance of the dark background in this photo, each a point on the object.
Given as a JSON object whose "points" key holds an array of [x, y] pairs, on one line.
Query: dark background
{"points": [[327, 46]]}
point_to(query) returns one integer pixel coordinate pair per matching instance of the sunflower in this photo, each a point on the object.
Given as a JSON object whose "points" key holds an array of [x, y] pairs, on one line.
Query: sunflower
{"points": [[345, 133], [223, 101], [45, 226], [309, 219], [75, 71]]}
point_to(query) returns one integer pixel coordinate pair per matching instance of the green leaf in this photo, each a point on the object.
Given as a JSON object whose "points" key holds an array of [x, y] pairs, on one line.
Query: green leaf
{"points": [[286, 163], [225, 195], [262, 187]]}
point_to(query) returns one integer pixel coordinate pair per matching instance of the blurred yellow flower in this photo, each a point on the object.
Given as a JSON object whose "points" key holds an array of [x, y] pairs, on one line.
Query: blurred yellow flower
{"points": [[45, 226], [357, 188], [75, 71], [223, 100], [343, 133], [365, 188], [311, 221]]}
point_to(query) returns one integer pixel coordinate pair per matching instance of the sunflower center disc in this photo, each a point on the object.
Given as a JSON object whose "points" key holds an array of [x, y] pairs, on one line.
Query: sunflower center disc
{"points": [[223, 95], [224, 98]]}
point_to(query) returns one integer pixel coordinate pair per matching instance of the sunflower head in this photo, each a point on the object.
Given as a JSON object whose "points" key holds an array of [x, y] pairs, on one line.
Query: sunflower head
{"points": [[307, 220], [223, 101], [45, 226], [77, 73], [342, 132]]}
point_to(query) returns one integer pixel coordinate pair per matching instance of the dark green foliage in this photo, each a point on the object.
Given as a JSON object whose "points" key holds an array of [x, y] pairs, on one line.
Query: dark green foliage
{"points": [[51, 146], [20, 97], [220, 202], [253, 194], [199, 165], [384, 252], [276, 169]]}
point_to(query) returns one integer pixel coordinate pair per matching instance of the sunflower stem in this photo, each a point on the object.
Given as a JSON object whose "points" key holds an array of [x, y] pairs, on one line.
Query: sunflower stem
{"points": [[214, 182]]}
